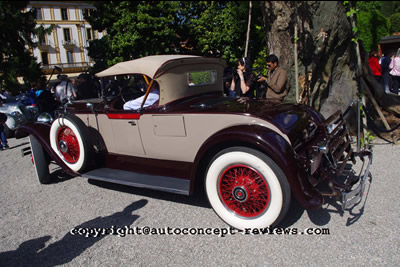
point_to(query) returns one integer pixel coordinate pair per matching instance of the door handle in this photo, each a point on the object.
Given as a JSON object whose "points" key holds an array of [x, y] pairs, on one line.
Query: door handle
{"points": [[133, 123]]}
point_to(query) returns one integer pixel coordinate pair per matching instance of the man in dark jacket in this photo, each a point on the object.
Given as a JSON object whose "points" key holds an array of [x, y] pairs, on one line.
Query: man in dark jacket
{"points": [[276, 80]]}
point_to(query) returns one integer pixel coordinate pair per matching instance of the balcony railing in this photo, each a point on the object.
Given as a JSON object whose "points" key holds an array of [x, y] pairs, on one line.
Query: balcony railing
{"points": [[67, 67], [45, 46], [69, 43]]}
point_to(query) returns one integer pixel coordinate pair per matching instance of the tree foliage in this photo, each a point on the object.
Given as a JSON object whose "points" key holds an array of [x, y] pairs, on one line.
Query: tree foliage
{"points": [[389, 8], [395, 23], [372, 24], [137, 29], [134, 29], [16, 33]]}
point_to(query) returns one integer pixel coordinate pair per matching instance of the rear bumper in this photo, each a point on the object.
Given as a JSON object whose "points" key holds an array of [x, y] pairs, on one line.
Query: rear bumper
{"points": [[334, 167], [354, 197]]}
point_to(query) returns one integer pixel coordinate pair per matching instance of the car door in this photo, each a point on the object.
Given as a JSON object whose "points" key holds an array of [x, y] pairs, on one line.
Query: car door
{"points": [[164, 135], [120, 131]]}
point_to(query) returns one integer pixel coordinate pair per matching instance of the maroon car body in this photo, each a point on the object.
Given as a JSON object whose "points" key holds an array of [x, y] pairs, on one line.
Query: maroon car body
{"points": [[251, 154]]}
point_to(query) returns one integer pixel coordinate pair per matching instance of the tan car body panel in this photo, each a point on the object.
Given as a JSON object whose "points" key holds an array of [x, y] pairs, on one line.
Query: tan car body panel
{"points": [[168, 137]]}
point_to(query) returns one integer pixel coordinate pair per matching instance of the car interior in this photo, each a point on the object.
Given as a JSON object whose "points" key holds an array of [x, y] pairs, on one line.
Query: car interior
{"points": [[136, 87]]}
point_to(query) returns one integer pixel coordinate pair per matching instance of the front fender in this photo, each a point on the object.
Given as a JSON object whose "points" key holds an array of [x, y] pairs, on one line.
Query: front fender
{"points": [[41, 132], [273, 145]]}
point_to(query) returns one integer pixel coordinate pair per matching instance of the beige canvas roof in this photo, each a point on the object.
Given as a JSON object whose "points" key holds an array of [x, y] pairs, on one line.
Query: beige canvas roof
{"points": [[171, 72], [154, 66]]}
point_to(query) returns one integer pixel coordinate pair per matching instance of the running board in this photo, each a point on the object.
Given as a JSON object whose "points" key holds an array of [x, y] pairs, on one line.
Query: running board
{"points": [[161, 183]]}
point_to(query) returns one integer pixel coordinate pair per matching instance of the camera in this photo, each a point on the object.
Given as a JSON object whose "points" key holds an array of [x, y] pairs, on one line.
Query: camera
{"points": [[259, 76]]}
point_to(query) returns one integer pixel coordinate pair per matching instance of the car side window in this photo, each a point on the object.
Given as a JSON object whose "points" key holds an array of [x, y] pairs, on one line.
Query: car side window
{"points": [[205, 77]]}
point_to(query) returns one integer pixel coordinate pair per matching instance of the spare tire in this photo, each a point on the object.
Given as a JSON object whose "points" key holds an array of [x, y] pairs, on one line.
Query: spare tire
{"points": [[69, 138]]}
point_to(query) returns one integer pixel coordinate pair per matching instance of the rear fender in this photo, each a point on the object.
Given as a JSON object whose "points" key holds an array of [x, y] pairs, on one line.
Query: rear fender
{"points": [[270, 143], [41, 132]]}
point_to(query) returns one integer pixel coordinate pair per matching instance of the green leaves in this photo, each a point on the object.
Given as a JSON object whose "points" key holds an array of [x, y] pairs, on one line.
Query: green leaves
{"points": [[395, 23], [209, 28], [16, 33], [373, 26], [371, 23], [134, 29]]}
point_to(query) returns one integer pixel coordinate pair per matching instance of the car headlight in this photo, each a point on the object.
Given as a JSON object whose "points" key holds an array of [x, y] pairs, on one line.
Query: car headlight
{"points": [[16, 113], [45, 118]]}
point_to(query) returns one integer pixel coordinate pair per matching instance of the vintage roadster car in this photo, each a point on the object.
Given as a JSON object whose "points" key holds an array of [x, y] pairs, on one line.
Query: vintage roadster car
{"points": [[252, 155]]}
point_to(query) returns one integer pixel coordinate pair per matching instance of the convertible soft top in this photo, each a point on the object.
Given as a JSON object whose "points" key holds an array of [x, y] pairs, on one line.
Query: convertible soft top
{"points": [[171, 73], [155, 66]]}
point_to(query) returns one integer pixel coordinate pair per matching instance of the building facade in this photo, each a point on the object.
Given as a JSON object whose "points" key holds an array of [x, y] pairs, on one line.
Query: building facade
{"points": [[67, 45]]}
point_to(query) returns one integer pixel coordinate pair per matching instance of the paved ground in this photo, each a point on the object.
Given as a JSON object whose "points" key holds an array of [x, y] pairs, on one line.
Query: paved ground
{"points": [[36, 222]]}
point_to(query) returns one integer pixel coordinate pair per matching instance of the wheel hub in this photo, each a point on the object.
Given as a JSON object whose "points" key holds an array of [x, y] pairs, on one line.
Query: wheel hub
{"points": [[240, 193], [63, 146]]}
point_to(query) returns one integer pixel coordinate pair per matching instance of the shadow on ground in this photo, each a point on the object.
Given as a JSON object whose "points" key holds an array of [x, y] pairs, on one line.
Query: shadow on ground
{"points": [[34, 252], [198, 199]]}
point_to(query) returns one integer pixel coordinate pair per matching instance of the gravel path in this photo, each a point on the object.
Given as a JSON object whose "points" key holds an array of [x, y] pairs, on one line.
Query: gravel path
{"points": [[42, 225]]}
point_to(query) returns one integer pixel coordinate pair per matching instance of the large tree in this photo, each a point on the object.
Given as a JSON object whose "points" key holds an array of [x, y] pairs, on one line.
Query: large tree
{"points": [[16, 33], [326, 52]]}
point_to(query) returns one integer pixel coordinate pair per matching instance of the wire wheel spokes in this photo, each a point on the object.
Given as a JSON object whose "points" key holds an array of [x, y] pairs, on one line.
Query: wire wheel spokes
{"points": [[244, 191], [68, 144]]}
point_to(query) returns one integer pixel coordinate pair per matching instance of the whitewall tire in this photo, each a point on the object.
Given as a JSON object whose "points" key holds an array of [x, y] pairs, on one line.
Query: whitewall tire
{"points": [[69, 139], [246, 188]]}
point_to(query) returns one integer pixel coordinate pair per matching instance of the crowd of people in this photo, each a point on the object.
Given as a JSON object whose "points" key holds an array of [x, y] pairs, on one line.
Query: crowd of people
{"points": [[48, 97], [386, 70]]}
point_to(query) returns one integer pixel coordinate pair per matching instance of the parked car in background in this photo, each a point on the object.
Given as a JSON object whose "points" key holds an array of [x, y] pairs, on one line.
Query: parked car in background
{"points": [[251, 155], [17, 114]]}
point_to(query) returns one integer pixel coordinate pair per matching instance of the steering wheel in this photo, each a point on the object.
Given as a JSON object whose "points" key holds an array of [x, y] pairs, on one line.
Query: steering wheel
{"points": [[129, 93]]}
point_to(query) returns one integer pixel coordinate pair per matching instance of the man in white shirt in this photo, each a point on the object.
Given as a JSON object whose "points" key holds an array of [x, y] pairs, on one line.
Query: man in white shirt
{"points": [[65, 89], [152, 98]]}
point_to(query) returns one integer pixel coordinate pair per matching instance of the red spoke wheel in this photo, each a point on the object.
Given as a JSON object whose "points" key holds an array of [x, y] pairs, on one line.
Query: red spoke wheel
{"points": [[244, 191], [247, 189], [68, 144], [69, 138]]}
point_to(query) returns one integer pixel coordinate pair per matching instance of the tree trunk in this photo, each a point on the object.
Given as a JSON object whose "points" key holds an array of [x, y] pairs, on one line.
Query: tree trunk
{"points": [[248, 30], [326, 52]]}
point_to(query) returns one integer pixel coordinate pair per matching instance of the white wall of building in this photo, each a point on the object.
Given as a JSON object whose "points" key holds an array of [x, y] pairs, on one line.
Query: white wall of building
{"points": [[51, 14]]}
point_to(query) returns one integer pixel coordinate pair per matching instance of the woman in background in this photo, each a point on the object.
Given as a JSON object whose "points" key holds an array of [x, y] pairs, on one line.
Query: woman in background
{"points": [[374, 65], [395, 72], [243, 81]]}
